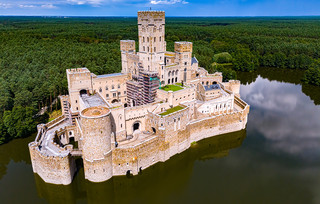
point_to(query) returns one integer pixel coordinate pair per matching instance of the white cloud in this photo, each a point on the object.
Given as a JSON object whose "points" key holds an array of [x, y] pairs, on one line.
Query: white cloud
{"points": [[5, 6], [26, 6], [48, 6], [82, 2], [168, 2]]}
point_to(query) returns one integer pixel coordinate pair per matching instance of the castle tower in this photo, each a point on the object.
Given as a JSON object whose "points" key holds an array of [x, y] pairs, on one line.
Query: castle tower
{"points": [[96, 135], [79, 82], [127, 47], [183, 52], [152, 45]]}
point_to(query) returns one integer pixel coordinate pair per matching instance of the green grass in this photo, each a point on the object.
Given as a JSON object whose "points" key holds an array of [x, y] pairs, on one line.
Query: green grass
{"points": [[54, 114], [172, 110], [179, 84], [171, 88]]}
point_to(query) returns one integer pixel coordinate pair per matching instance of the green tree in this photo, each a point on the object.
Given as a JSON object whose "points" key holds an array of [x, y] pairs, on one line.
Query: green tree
{"points": [[223, 57], [19, 122], [312, 75], [244, 60]]}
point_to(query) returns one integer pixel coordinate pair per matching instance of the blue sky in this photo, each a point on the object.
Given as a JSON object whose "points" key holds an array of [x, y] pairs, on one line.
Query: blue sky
{"points": [[172, 7]]}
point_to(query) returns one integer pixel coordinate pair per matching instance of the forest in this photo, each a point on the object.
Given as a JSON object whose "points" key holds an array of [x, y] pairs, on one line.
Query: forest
{"points": [[36, 51]]}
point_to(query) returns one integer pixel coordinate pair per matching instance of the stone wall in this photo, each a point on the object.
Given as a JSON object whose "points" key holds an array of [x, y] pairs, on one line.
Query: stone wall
{"points": [[52, 169], [138, 157]]}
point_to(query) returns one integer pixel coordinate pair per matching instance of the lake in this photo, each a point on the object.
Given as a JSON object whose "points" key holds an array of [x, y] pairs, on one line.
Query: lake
{"points": [[275, 160]]}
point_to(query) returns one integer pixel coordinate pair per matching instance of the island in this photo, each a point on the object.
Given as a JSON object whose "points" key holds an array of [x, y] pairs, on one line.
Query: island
{"points": [[158, 106]]}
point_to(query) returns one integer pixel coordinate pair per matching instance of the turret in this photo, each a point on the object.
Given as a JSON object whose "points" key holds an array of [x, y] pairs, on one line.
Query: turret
{"points": [[183, 52], [96, 152]]}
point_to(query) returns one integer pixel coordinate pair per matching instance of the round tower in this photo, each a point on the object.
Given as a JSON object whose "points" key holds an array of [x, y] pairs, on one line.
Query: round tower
{"points": [[96, 135]]}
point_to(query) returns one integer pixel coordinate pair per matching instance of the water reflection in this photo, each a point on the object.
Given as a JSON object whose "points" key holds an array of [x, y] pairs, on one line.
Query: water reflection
{"points": [[156, 184], [277, 162], [285, 117]]}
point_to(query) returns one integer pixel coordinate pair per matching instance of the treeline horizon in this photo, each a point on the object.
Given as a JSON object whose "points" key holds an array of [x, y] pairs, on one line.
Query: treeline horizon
{"points": [[36, 51]]}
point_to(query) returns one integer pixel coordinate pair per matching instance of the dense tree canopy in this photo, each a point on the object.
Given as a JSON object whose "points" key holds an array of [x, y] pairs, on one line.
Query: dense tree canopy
{"points": [[35, 53]]}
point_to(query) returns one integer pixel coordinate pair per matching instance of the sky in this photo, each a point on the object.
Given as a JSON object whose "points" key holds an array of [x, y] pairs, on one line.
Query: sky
{"points": [[172, 7]]}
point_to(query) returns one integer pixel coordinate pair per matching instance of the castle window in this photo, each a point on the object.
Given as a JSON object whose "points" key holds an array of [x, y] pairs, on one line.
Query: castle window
{"points": [[77, 108], [100, 90], [118, 86], [107, 88], [155, 39], [155, 49], [147, 39], [160, 39], [125, 92], [144, 39], [185, 63], [114, 95], [107, 95], [119, 93], [148, 49], [76, 101], [112, 87], [144, 48]]}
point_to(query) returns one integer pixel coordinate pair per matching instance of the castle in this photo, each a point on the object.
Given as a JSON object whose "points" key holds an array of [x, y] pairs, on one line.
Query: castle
{"points": [[122, 123]]}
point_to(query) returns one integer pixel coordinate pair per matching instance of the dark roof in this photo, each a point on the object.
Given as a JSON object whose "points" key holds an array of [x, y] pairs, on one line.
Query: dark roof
{"points": [[212, 87], [194, 60]]}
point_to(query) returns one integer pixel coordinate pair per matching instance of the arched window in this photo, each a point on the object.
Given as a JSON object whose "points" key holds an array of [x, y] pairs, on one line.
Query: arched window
{"points": [[148, 49], [107, 88], [112, 87], [160, 39], [168, 81], [155, 49], [147, 39], [144, 48], [144, 39], [118, 86], [155, 39], [176, 79], [169, 74], [100, 89]]}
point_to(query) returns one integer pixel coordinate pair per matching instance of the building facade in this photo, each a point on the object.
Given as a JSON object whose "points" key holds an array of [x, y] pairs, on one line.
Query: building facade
{"points": [[122, 123]]}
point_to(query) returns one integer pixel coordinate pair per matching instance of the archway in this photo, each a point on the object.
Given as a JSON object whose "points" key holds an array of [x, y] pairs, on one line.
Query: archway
{"points": [[83, 92], [154, 130], [125, 105], [214, 82], [185, 75], [115, 101], [136, 126]]}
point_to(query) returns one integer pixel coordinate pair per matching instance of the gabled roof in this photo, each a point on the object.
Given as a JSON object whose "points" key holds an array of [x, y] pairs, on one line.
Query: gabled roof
{"points": [[194, 60]]}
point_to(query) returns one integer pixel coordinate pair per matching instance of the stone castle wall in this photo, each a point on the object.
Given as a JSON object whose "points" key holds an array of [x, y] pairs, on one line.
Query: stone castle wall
{"points": [[52, 169]]}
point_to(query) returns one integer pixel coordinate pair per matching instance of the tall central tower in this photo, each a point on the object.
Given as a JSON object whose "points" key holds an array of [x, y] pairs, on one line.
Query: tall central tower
{"points": [[152, 45]]}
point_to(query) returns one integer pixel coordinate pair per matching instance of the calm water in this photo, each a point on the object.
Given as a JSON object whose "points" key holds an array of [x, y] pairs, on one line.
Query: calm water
{"points": [[275, 160]]}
